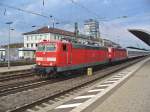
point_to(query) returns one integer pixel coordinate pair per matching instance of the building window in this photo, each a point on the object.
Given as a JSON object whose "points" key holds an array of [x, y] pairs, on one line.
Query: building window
{"points": [[40, 37], [54, 37], [27, 45], [27, 38], [35, 37], [31, 45]]}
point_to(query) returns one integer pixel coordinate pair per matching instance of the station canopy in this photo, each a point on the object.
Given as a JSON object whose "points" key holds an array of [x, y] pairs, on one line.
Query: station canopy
{"points": [[141, 34]]}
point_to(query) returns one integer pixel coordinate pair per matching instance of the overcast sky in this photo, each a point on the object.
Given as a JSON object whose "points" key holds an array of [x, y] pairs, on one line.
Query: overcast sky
{"points": [[66, 13]]}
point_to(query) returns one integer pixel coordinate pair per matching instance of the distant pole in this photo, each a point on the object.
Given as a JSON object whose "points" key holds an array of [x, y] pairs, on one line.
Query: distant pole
{"points": [[53, 25], [56, 23], [9, 23], [53, 22], [76, 29]]}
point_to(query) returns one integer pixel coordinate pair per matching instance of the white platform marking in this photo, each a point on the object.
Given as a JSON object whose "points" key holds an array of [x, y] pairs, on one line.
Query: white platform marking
{"points": [[68, 105], [115, 78], [95, 90], [51, 101], [29, 110], [38, 107], [103, 85], [45, 104], [110, 81], [86, 96], [119, 75]]}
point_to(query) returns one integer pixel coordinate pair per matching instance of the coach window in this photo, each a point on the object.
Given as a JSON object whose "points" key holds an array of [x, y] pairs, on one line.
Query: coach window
{"points": [[64, 47]]}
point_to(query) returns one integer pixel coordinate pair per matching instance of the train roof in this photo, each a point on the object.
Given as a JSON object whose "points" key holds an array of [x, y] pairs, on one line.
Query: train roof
{"points": [[76, 45]]}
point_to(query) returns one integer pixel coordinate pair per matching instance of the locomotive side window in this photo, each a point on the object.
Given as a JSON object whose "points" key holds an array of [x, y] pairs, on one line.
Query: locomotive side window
{"points": [[51, 47], [64, 47]]}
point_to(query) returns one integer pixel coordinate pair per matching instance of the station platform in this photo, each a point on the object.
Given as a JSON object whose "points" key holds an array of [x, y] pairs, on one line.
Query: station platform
{"points": [[126, 91], [15, 68], [133, 96]]}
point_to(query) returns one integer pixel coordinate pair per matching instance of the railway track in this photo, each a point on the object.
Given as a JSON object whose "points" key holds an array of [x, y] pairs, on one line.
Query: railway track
{"points": [[15, 76], [66, 86], [14, 88], [24, 86]]}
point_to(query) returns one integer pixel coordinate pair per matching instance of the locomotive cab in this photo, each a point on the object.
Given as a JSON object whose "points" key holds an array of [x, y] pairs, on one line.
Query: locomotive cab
{"points": [[46, 54], [52, 55]]}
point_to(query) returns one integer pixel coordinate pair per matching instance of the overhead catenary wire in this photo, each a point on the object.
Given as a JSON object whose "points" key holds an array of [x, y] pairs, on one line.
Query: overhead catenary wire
{"points": [[48, 17], [96, 16], [26, 11], [5, 12]]}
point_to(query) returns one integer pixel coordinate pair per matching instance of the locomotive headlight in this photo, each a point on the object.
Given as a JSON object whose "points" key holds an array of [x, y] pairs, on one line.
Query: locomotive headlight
{"points": [[39, 63], [51, 59], [50, 64]]}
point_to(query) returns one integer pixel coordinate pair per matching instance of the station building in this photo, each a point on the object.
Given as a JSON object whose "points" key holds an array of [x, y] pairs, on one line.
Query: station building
{"points": [[45, 33]]}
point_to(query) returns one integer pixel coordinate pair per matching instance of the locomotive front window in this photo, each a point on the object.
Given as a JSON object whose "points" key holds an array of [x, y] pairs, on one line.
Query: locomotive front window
{"points": [[51, 47], [41, 47]]}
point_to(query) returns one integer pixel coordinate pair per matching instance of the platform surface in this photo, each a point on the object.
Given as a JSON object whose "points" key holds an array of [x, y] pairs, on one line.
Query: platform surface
{"points": [[15, 68], [133, 96]]}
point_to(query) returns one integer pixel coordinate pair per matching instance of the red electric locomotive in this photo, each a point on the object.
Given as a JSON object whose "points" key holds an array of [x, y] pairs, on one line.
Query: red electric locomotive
{"points": [[59, 56], [117, 54]]}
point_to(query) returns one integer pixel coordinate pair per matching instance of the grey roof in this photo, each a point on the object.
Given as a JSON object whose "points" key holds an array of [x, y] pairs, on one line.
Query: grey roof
{"points": [[141, 34]]}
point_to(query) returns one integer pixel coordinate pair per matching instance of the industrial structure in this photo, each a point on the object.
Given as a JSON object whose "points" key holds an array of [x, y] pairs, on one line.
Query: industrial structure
{"points": [[91, 28]]}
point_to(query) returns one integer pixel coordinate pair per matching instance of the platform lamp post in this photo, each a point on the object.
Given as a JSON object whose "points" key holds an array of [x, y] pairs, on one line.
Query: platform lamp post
{"points": [[9, 23]]}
